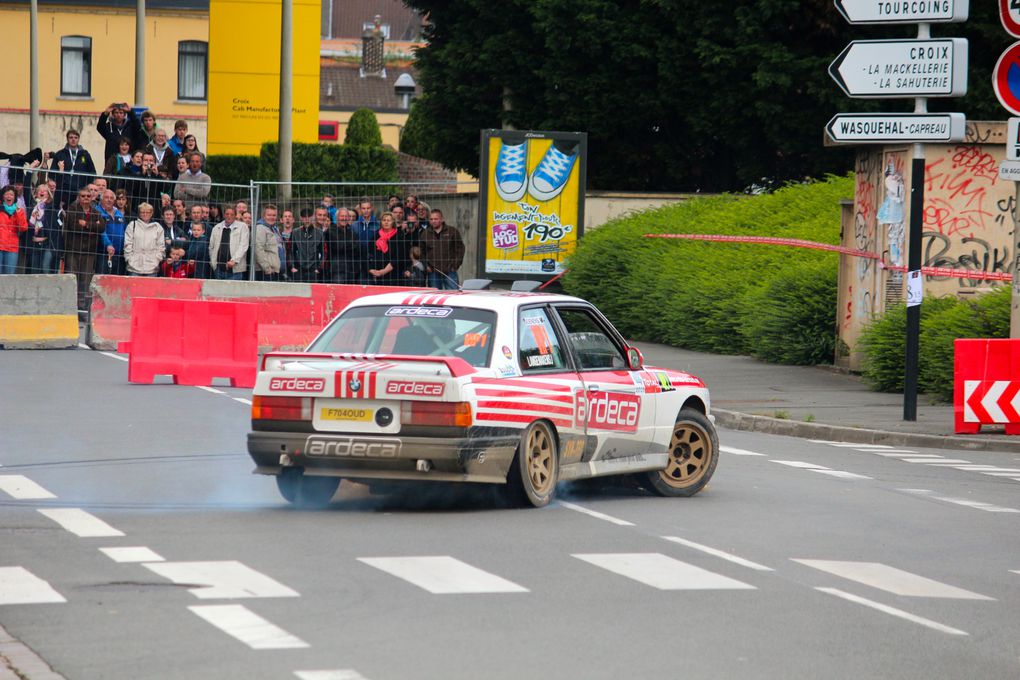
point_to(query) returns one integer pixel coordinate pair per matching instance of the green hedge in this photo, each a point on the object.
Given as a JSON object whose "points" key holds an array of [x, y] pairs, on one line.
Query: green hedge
{"points": [[942, 321], [227, 169], [310, 163], [775, 302], [363, 129]]}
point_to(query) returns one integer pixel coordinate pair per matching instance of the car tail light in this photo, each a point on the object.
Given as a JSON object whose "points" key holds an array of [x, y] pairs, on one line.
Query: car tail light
{"points": [[281, 408], [449, 414]]}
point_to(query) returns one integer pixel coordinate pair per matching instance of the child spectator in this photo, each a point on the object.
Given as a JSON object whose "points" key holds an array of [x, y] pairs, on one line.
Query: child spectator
{"points": [[177, 267], [143, 244], [198, 249]]}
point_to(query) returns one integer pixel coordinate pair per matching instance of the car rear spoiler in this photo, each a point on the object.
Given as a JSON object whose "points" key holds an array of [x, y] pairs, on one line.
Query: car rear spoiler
{"points": [[457, 366]]}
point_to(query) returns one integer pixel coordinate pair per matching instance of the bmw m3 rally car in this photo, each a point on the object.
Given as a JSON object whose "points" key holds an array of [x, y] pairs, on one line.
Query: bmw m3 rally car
{"points": [[517, 389]]}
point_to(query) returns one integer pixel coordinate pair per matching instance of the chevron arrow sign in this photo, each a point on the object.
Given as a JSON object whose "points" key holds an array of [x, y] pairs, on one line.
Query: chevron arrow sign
{"points": [[991, 401]]}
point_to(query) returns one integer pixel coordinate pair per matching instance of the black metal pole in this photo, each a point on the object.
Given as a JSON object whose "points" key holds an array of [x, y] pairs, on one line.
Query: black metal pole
{"points": [[913, 266]]}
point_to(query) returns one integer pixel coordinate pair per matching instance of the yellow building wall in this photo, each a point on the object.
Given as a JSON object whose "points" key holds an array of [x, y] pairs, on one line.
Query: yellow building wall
{"points": [[113, 58], [244, 74]]}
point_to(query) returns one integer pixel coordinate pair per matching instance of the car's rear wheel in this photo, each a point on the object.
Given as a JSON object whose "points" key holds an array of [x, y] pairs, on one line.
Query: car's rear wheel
{"points": [[536, 467], [693, 454], [305, 491]]}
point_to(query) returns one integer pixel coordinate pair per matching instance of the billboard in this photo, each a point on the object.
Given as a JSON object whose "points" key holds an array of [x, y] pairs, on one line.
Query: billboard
{"points": [[532, 201], [244, 74]]}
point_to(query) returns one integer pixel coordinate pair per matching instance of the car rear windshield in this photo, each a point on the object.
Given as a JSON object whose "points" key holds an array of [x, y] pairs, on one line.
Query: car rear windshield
{"points": [[417, 331]]}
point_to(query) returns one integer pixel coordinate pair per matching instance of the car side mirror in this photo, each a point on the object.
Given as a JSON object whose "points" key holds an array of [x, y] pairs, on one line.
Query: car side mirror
{"points": [[634, 359]]}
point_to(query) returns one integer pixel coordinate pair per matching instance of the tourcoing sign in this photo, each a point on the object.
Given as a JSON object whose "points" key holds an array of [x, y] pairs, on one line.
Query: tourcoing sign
{"points": [[531, 211]]}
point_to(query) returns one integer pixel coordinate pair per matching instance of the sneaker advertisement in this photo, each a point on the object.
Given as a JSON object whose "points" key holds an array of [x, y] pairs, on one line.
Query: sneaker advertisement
{"points": [[532, 210]]}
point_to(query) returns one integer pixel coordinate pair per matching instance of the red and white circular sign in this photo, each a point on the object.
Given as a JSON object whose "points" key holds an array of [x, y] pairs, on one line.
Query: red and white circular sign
{"points": [[1009, 14], [1006, 78]]}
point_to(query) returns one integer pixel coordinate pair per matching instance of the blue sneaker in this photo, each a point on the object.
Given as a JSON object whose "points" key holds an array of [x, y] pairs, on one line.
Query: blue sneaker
{"points": [[549, 178], [511, 173]]}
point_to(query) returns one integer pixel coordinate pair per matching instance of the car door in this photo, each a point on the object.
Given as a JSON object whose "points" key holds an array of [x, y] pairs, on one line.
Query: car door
{"points": [[613, 404]]}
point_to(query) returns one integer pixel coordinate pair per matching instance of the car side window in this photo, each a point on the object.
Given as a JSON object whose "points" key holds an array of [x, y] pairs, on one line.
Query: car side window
{"points": [[593, 347], [537, 345]]}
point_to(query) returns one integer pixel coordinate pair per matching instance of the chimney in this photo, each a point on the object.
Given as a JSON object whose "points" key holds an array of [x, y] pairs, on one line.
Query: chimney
{"points": [[372, 51]]}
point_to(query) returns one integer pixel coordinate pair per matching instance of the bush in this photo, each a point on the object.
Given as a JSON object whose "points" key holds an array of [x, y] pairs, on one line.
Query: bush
{"points": [[795, 321], [333, 163], [226, 169], [709, 296], [363, 129], [417, 137]]}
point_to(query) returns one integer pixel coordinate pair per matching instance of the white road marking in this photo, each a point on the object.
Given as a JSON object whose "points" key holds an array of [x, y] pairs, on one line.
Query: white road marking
{"points": [[1011, 475], [663, 572], [114, 356], [934, 625], [841, 474], [848, 445], [22, 488], [82, 345], [739, 452], [896, 453], [209, 389], [137, 554], [800, 464], [20, 586], [250, 628], [221, 580], [988, 468], [243, 401], [719, 553], [892, 580], [330, 675], [978, 505], [443, 575], [935, 461], [80, 523], [595, 513]]}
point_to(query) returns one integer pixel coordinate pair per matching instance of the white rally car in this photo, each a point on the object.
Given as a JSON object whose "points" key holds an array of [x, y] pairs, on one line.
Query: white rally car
{"points": [[518, 389]]}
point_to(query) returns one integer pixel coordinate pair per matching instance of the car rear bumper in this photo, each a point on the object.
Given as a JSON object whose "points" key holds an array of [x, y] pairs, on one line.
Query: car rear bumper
{"points": [[474, 458]]}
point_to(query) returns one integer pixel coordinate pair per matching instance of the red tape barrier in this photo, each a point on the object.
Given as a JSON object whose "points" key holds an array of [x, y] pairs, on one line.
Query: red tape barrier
{"points": [[813, 245]]}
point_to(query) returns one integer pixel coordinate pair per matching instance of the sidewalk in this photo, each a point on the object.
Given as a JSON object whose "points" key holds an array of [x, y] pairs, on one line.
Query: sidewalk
{"points": [[818, 403]]}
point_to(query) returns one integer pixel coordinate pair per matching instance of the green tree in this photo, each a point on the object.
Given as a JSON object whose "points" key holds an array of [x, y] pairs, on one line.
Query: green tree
{"points": [[418, 136], [674, 95], [363, 129]]}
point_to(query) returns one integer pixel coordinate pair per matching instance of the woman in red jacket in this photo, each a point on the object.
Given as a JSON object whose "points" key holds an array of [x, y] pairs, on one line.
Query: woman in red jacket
{"points": [[12, 222]]}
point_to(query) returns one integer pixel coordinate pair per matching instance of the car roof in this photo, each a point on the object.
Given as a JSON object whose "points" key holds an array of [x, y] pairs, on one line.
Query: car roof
{"points": [[495, 300]]}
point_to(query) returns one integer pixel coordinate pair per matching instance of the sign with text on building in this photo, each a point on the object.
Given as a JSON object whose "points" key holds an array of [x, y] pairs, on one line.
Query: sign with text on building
{"points": [[894, 128], [903, 12], [902, 68], [244, 80], [531, 211]]}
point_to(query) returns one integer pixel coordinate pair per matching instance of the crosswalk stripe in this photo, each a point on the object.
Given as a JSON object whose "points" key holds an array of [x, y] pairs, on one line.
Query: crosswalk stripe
{"points": [[134, 554], [330, 675], [443, 575], [977, 505], [898, 453], [841, 474], [934, 625], [221, 580], [718, 553], [20, 487], [662, 572], [80, 523], [800, 464], [850, 445], [595, 513], [891, 579], [739, 452], [248, 627], [934, 462], [20, 586]]}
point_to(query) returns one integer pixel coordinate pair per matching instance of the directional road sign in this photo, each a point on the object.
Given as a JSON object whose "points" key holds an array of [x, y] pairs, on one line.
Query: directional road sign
{"points": [[1009, 15], [899, 12], [896, 128], [902, 68], [1006, 79]]}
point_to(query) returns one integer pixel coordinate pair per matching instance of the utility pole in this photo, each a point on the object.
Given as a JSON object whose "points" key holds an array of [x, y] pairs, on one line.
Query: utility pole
{"points": [[33, 77], [286, 84], [140, 53]]}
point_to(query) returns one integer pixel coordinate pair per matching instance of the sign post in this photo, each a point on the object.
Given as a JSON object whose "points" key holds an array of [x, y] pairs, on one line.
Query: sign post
{"points": [[920, 68], [1007, 90]]}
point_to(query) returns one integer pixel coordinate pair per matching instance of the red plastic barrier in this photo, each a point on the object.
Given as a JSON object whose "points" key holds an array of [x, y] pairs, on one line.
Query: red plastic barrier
{"points": [[986, 385], [194, 341]]}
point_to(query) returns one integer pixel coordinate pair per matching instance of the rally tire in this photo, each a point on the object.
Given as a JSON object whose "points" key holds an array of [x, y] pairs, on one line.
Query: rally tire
{"points": [[536, 467], [693, 455], [306, 492]]}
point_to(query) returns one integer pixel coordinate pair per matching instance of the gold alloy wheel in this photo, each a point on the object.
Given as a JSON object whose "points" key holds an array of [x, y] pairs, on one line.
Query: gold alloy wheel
{"points": [[540, 460], [690, 452]]}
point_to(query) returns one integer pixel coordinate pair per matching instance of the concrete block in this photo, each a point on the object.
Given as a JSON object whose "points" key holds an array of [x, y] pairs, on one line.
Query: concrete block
{"points": [[38, 311]]}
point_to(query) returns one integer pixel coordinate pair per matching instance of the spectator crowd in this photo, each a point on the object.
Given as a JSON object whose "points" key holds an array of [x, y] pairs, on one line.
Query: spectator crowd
{"points": [[145, 209]]}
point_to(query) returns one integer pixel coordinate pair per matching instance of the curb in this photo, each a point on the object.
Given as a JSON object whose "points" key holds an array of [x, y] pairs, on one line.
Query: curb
{"points": [[735, 420]]}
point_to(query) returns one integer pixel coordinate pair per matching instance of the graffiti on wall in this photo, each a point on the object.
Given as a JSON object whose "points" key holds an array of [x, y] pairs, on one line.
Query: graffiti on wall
{"points": [[858, 296]]}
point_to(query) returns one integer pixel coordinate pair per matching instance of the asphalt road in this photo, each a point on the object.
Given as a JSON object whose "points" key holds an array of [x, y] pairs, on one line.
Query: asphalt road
{"points": [[801, 560]]}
